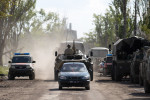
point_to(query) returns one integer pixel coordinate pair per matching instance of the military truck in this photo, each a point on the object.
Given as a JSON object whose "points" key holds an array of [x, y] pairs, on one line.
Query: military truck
{"points": [[144, 73], [122, 54], [135, 65], [78, 56]]}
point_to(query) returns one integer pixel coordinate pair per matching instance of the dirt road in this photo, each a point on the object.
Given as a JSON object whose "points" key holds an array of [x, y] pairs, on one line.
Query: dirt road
{"points": [[102, 88]]}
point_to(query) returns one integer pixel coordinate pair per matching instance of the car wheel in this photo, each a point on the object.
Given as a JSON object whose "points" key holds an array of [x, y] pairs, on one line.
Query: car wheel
{"points": [[60, 87], [32, 76], [87, 87]]}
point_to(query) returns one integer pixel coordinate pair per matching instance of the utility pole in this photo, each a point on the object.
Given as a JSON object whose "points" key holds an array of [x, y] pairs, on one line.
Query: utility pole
{"points": [[135, 19]]}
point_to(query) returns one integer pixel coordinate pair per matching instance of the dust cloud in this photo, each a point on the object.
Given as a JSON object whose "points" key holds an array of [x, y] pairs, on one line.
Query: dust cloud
{"points": [[42, 49]]}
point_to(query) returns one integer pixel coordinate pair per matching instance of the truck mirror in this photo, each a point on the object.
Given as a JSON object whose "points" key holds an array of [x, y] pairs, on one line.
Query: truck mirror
{"points": [[109, 47], [33, 61], [55, 53], [87, 56], [9, 61], [91, 53]]}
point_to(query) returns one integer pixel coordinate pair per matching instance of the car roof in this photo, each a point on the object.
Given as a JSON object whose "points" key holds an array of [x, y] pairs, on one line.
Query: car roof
{"points": [[73, 63], [99, 48]]}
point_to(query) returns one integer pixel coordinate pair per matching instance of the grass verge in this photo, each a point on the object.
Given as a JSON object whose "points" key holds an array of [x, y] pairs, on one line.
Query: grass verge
{"points": [[4, 70]]}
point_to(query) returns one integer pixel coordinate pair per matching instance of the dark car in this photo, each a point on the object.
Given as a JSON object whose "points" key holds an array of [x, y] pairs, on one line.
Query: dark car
{"points": [[74, 74], [21, 65]]}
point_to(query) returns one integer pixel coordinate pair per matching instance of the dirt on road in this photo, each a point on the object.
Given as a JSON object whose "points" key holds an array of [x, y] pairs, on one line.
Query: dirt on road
{"points": [[102, 88]]}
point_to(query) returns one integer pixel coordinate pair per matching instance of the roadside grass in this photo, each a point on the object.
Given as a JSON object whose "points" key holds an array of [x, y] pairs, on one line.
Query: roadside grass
{"points": [[4, 70]]}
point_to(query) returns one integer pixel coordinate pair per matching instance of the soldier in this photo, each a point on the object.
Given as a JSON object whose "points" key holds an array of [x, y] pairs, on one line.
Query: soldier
{"points": [[69, 51]]}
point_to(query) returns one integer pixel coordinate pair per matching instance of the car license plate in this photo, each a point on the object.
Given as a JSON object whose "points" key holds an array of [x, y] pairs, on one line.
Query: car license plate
{"points": [[74, 81]]}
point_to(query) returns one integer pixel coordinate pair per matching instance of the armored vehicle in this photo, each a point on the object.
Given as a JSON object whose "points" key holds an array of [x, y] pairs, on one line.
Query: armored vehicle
{"points": [[77, 56], [21, 65], [122, 54], [135, 65], [144, 77]]}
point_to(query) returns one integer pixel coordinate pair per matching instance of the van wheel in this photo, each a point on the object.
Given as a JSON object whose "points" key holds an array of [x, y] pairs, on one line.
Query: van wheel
{"points": [[11, 77], [32, 76]]}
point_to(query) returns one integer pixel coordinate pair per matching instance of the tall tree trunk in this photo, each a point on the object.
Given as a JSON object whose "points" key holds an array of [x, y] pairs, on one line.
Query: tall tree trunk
{"points": [[124, 17], [135, 19]]}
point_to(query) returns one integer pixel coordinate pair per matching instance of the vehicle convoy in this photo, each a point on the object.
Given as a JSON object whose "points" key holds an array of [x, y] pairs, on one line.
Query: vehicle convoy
{"points": [[122, 54], [77, 56], [21, 65], [74, 74], [135, 65]]}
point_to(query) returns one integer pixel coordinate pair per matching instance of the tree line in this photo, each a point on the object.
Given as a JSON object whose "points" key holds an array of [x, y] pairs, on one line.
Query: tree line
{"points": [[124, 18], [18, 18]]}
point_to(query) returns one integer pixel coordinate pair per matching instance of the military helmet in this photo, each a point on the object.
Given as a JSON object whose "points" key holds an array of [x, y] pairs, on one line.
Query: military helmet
{"points": [[68, 45]]}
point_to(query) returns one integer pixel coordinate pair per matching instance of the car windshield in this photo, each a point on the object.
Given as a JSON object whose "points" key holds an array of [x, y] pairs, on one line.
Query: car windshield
{"points": [[21, 59], [73, 68]]}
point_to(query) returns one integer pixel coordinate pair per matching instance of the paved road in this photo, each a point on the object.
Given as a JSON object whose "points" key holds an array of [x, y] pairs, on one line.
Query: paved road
{"points": [[102, 88]]}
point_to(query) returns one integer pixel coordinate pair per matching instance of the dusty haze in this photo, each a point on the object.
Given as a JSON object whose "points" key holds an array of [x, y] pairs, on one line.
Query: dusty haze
{"points": [[42, 49]]}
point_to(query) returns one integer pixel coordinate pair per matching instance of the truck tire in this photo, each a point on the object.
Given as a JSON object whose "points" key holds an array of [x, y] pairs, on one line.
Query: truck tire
{"points": [[131, 79], [91, 75], [117, 74], [140, 81], [55, 75], [112, 73], [146, 86]]}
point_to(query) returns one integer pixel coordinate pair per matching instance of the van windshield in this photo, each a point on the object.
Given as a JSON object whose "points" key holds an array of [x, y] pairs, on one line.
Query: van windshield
{"points": [[21, 59]]}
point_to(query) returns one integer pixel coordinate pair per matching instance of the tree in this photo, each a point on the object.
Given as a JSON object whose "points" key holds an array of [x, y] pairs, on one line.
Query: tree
{"points": [[12, 12]]}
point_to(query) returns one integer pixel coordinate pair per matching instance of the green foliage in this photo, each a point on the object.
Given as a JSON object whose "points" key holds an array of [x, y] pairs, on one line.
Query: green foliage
{"points": [[4, 70]]}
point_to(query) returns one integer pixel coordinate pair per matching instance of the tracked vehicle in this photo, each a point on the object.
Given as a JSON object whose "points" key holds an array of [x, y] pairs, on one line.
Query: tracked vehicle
{"points": [[78, 56]]}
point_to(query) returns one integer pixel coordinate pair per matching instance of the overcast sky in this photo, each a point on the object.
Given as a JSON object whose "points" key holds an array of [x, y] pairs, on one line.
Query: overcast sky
{"points": [[78, 12]]}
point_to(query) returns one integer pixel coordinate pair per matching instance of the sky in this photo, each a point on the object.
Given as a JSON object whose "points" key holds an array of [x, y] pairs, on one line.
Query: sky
{"points": [[78, 12]]}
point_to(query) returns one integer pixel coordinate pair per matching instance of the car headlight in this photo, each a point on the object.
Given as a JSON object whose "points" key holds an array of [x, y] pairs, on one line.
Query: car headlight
{"points": [[86, 77], [12, 66], [62, 78]]}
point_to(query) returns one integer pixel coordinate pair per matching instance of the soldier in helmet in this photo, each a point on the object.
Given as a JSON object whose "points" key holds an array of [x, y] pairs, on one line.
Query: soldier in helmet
{"points": [[69, 51]]}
